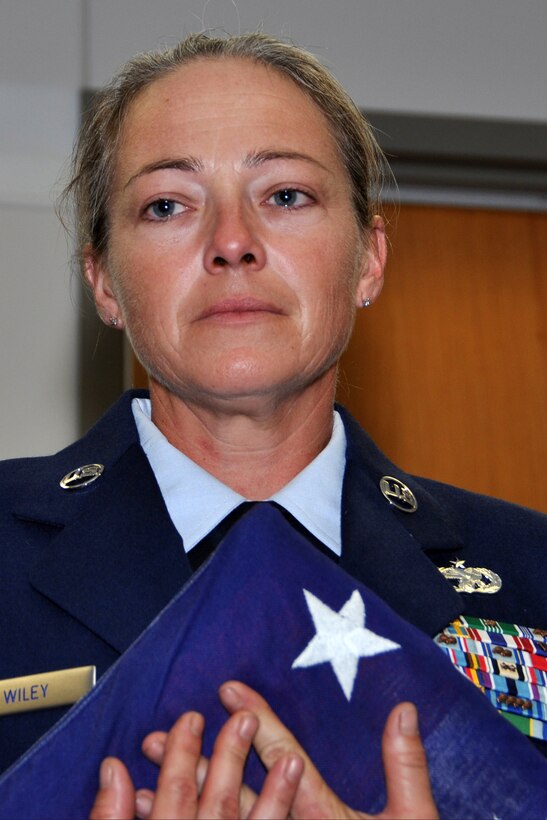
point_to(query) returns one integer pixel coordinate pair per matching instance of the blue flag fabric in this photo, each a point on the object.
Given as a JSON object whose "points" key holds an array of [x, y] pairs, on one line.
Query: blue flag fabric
{"points": [[330, 657]]}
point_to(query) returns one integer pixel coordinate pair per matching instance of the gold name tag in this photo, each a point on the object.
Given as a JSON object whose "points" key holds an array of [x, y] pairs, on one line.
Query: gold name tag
{"points": [[43, 691]]}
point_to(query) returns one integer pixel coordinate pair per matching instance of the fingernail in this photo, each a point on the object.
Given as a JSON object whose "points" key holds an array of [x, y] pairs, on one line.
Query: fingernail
{"points": [[293, 768], [408, 721], [230, 697], [247, 727], [106, 773], [143, 804], [195, 724]]}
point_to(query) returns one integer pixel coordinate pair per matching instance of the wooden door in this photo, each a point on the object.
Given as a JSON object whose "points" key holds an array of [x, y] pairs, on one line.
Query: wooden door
{"points": [[447, 371]]}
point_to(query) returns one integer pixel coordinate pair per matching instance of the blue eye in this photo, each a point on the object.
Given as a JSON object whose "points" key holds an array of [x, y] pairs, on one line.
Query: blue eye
{"points": [[290, 198], [287, 198], [163, 208]]}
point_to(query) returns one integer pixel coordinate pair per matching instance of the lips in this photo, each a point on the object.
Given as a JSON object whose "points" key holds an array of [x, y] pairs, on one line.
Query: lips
{"points": [[235, 306]]}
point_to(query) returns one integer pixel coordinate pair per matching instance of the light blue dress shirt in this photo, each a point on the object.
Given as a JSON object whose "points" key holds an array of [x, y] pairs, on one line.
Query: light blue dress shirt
{"points": [[197, 501]]}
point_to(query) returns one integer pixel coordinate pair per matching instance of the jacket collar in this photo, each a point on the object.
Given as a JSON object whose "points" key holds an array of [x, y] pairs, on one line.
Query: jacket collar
{"points": [[385, 547], [42, 498]]}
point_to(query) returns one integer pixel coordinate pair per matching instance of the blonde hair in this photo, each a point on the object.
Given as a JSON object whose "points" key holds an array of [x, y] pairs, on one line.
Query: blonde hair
{"points": [[95, 151]]}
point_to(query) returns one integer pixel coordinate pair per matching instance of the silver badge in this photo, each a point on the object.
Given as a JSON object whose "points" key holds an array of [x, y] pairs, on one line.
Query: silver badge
{"points": [[81, 476], [472, 579], [398, 494]]}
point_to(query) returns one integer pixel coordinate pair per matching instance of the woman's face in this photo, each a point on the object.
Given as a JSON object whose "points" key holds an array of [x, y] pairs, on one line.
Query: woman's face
{"points": [[235, 261]]}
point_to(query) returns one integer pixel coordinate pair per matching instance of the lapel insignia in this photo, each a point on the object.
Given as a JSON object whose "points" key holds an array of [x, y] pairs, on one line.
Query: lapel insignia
{"points": [[472, 579], [398, 494], [81, 476]]}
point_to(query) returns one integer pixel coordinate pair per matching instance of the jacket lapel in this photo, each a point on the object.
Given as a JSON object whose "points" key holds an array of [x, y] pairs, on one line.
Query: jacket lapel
{"points": [[110, 547], [384, 547], [121, 555]]}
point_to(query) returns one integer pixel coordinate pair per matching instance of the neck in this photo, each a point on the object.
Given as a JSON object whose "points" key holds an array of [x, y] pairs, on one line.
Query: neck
{"points": [[255, 448]]}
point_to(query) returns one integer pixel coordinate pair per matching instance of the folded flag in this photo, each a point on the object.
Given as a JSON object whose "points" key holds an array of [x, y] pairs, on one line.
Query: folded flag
{"points": [[330, 657]]}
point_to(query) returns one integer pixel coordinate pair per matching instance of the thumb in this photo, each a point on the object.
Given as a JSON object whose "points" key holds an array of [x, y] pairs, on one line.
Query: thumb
{"points": [[115, 799], [405, 765]]}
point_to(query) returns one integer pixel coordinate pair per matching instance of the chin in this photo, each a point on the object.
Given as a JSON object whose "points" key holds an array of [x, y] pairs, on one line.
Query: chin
{"points": [[244, 380], [235, 382]]}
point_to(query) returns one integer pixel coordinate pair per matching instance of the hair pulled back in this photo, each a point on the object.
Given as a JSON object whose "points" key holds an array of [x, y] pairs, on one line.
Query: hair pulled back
{"points": [[94, 155]]}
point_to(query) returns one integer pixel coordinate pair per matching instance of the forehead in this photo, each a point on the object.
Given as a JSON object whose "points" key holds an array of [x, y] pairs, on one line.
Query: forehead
{"points": [[224, 107]]}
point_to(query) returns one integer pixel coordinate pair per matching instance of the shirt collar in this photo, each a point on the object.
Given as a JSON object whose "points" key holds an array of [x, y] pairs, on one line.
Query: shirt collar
{"points": [[197, 501]]}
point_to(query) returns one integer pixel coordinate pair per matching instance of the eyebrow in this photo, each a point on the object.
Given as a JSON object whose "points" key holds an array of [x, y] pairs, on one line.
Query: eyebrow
{"points": [[194, 165], [179, 164], [258, 158]]}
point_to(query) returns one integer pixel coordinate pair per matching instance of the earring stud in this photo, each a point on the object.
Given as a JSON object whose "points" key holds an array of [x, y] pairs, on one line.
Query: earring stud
{"points": [[366, 302], [114, 321]]}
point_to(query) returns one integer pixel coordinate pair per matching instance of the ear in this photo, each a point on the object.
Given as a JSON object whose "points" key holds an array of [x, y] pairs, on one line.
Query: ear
{"points": [[99, 280], [371, 277]]}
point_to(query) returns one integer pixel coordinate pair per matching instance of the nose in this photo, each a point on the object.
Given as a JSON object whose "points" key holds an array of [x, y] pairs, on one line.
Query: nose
{"points": [[233, 241]]}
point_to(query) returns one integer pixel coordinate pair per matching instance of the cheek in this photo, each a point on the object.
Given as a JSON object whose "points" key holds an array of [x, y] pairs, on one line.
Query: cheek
{"points": [[139, 282], [138, 308], [131, 298], [330, 288]]}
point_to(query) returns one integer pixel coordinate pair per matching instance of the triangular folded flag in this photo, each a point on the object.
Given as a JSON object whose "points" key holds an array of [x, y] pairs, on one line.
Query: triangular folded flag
{"points": [[330, 657]]}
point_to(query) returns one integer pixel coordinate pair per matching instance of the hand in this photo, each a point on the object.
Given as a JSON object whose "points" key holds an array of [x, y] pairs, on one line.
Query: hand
{"points": [[405, 765], [292, 785], [189, 786]]}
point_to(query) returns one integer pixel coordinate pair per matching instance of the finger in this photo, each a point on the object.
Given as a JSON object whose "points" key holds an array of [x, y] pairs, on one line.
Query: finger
{"points": [[277, 794], [177, 791], [115, 799], [153, 746], [274, 741], [220, 796], [405, 766], [144, 800]]}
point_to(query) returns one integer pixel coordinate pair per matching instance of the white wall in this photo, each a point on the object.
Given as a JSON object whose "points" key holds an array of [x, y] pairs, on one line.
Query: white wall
{"points": [[40, 77], [461, 57], [38, 355]]}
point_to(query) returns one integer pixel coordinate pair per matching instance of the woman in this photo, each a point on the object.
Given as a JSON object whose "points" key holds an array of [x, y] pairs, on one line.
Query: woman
{"points": [[227, 195]]}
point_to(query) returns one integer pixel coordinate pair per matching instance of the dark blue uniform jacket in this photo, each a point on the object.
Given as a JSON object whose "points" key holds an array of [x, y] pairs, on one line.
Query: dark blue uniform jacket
{"points": [[84, 571]]}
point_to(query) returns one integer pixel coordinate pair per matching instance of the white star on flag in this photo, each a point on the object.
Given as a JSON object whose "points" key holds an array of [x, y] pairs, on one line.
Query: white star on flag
{"points": [[341, 639]]}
